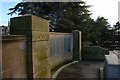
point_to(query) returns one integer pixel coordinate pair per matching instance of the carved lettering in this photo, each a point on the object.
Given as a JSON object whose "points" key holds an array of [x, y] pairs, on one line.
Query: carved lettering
{"points": [[40, 36]]}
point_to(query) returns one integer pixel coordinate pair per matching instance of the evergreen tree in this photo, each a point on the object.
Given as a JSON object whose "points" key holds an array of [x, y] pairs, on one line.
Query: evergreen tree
{"points": [[64, 16]]}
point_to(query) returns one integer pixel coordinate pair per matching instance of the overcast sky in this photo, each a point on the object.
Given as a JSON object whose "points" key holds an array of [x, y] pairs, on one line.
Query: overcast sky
{"points": [[102, 8], [105, 8]]}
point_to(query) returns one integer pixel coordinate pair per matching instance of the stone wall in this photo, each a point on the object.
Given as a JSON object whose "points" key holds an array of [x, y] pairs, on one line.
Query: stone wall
{"points": [[39, 59], [77, 45], [61, 48], [13, 57], [36, 29], [112, 66]]}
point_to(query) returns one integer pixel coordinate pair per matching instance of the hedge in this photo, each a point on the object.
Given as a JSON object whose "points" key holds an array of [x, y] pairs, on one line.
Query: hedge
{"points": [[94, 53]]}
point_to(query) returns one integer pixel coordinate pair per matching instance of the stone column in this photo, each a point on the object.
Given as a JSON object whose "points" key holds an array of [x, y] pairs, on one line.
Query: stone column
{"points": [[37, 31], [76, 45]]}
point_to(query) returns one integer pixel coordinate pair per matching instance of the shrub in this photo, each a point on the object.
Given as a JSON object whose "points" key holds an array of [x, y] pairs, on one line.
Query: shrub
{"points": [[94, 53]]}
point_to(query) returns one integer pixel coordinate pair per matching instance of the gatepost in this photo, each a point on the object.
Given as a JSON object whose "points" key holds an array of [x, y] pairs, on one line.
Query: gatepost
{"points": [[37, 31], [76, 45]]}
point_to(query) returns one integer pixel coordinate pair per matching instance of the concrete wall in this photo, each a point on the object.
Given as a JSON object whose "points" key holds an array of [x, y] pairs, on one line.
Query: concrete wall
{"points": [[60, 48], [13, 57]]}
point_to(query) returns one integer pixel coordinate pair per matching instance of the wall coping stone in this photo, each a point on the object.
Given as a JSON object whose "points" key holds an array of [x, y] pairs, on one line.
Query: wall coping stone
{"points": [[13, 37], [59, 33], [112, 59]]}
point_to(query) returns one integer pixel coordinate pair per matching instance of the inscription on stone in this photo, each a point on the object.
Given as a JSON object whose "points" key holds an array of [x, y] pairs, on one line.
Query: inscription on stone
{"points": [[40, 36]]}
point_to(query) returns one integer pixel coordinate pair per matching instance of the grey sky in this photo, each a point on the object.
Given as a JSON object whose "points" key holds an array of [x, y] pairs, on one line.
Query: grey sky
{"points": [[105, 8]]}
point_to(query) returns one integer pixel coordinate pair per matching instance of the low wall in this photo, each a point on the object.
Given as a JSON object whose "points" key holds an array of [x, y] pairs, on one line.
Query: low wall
{"points": [[112, 67], [60, 48], [94, 53], [43, 54], [13, 56]]}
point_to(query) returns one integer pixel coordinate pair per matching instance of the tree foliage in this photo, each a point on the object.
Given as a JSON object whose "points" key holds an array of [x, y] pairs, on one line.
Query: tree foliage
{"points": [[116, 29], [68, 16], [64, 16]]}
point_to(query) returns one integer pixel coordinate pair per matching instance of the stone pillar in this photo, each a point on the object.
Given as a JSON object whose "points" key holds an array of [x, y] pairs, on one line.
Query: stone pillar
{"points": [[76, 45], [37, 31]]}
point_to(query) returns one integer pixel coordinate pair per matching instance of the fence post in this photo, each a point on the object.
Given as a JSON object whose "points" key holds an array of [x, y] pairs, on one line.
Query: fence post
{"points": [[76, 45], [37, 31]]}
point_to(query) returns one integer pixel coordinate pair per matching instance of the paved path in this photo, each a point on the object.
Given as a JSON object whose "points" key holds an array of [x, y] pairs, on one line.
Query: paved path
{"points": [[82, 70]]}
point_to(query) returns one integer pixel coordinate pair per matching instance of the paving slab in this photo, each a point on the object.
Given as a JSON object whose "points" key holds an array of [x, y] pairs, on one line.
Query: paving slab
{"points": [[82, 70]]}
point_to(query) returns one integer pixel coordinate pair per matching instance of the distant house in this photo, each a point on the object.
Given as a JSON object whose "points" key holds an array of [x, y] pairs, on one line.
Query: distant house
{"points": [[4, 29]]}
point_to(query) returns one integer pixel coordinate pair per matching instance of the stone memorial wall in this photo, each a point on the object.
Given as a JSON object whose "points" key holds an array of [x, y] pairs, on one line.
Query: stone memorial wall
{"points": [[61, 48], [43, 49], [36, 29]]}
